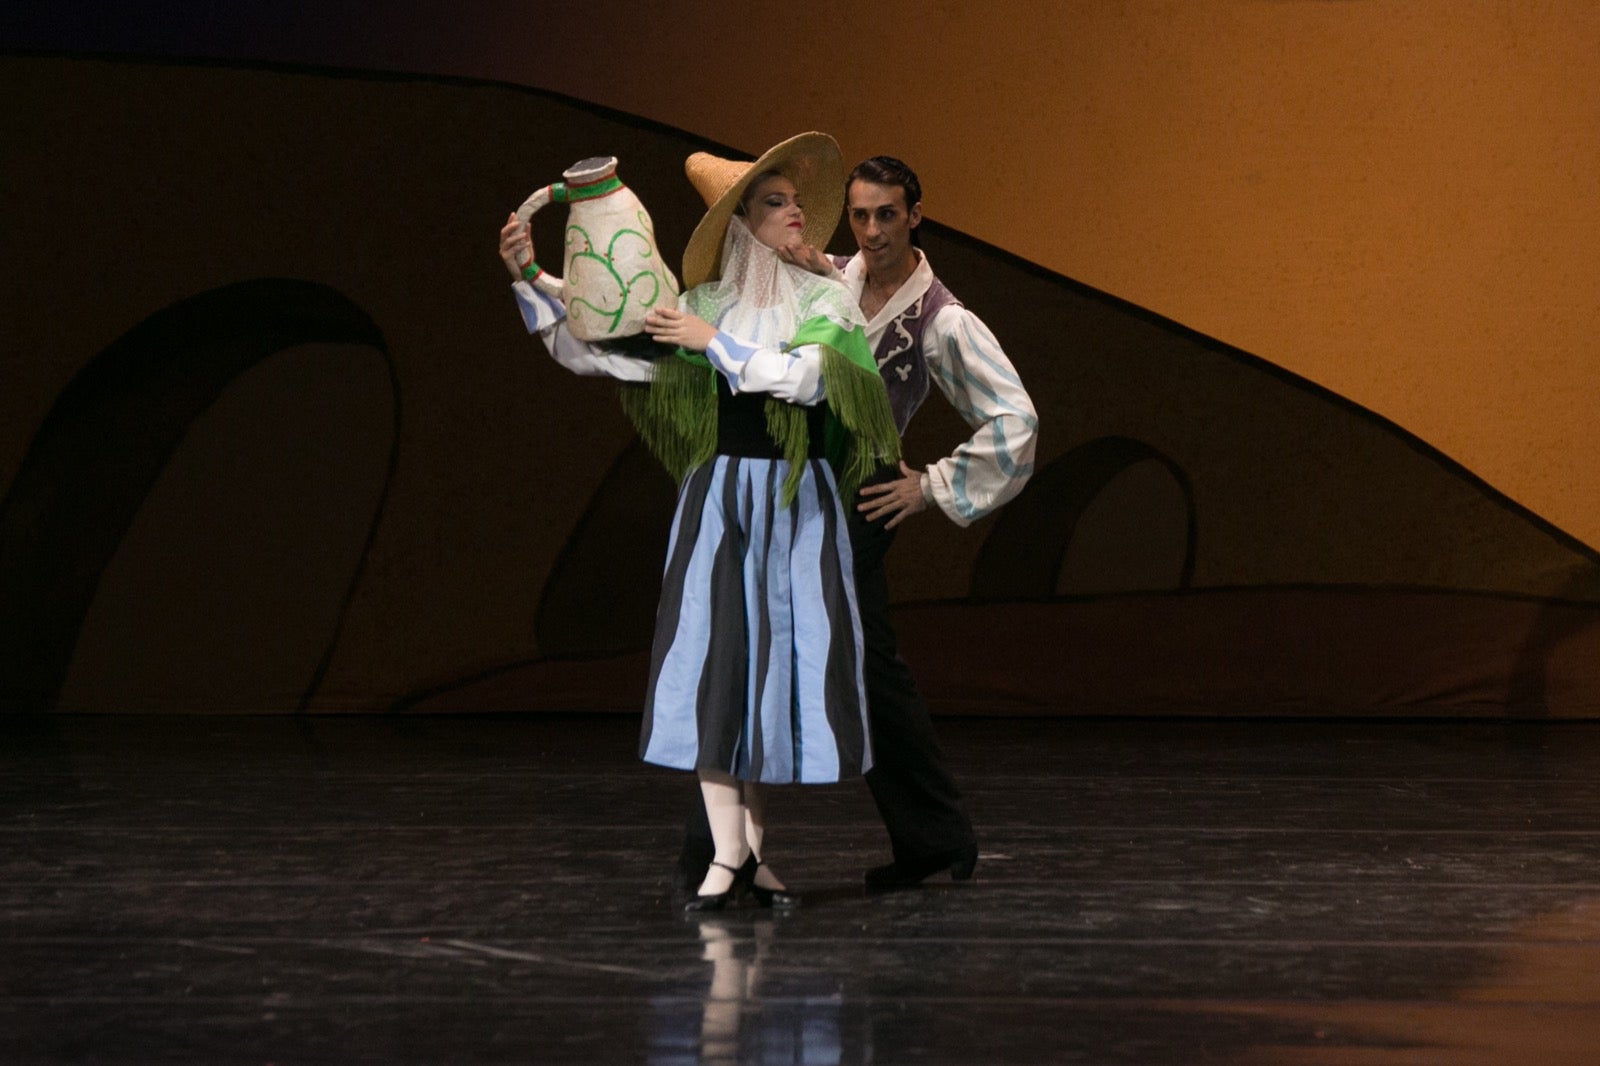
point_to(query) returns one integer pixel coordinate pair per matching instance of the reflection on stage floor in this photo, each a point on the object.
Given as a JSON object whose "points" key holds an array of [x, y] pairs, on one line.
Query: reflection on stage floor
{"points": [[496, 890]]}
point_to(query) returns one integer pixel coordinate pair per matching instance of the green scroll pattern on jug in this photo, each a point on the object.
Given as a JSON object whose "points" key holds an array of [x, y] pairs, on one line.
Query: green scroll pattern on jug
{"points": [[597, 293]]}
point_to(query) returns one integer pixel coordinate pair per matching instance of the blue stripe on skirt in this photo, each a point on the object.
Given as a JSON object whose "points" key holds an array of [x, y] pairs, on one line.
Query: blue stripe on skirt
{"points": [[756, 668]]}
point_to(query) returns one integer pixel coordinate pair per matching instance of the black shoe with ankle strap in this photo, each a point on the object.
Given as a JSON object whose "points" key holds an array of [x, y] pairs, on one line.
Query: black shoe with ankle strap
{"points": [[777, 899], [698, 904]]}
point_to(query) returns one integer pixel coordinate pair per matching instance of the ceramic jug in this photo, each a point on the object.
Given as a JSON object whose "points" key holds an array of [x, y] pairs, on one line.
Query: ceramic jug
{"points": [[613, 270]]}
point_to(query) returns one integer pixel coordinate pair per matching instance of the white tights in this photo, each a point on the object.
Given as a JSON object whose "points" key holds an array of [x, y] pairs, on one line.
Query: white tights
{"points": [[736, 811]]}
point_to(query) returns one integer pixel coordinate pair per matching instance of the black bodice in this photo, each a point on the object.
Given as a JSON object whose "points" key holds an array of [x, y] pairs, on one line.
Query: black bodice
{"points": [[742, 425]]}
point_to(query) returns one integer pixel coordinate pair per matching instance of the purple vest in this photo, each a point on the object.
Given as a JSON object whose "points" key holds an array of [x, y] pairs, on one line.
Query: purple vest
{"points": [[899, 354]]}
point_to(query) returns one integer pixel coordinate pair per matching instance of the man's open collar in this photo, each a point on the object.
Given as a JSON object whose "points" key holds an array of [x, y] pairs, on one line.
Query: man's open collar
{"points": [[910, 291]]}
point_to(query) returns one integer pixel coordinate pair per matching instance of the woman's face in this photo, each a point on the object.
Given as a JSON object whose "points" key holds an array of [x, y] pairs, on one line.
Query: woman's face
{"points": [[772, 208]]}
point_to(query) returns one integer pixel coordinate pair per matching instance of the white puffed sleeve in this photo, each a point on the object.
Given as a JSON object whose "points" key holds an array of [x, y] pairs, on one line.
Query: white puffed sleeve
{"points": [[544, 315], [966, 362]]}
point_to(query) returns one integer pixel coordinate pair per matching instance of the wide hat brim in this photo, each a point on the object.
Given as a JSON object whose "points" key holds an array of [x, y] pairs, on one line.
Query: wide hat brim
{"points": [[811, 160]]}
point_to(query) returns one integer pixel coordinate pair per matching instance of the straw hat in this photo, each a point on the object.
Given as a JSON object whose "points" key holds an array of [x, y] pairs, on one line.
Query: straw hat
{"points": [[812, 161]]}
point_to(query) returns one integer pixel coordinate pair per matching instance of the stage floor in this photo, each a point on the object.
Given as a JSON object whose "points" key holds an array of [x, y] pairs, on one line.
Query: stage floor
{"points": [[495, 890]]}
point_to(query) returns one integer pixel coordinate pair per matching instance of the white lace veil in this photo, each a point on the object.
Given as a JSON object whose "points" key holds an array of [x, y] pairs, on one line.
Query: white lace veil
{"points": [[759, 299]]}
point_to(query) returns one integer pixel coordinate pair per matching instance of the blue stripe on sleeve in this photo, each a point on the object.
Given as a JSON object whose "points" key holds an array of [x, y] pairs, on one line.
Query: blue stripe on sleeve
{"points": [[728, 355]]}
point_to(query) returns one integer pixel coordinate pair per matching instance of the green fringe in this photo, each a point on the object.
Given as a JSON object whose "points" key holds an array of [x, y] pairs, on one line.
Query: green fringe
{"points": [[786, 424], [860, 428], [860, 404], [676, 417]]}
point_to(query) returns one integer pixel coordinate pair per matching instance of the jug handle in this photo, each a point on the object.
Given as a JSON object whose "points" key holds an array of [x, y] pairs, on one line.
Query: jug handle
{"points": [[545, 282]]}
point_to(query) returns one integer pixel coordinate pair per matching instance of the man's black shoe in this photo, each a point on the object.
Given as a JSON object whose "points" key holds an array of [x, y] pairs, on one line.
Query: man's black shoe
{"points": [[908, 873], [690, 869]]}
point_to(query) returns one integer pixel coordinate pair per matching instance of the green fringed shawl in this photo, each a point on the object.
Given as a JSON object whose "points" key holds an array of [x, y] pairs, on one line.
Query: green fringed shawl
{"points": [[676, 414]]}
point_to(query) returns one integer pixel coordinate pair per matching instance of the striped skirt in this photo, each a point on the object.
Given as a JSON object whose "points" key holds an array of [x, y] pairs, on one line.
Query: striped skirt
{"points": [[756, 668]]}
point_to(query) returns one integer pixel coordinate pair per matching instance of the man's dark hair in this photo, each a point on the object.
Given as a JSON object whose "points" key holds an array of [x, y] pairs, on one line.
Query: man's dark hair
{"points": [[887, 170]]}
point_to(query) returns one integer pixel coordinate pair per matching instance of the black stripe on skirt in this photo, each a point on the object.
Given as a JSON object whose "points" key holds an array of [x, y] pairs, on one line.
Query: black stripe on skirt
{"points": [[720, 710], [763, 652], [841, 696]]}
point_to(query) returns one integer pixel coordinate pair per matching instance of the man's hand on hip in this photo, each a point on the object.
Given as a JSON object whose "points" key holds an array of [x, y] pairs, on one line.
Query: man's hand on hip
{"points": [[895, 500]]}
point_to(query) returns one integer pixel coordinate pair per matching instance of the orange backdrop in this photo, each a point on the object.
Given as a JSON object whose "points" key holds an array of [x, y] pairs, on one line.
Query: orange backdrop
{"points": [[1398, 199]]}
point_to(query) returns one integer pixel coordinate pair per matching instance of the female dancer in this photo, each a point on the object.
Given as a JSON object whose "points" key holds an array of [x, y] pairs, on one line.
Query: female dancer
{"points": [[767, 406]]}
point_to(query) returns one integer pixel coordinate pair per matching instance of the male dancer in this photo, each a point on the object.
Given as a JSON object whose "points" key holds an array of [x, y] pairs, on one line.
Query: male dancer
{"points": [[918, 332]]}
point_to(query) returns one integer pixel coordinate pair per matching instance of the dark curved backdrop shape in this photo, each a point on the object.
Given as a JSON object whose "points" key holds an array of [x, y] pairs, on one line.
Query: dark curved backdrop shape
{"points": [[107, 439]]}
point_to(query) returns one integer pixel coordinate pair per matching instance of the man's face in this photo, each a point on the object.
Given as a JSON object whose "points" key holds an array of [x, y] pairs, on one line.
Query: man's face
{"points": [[882, 223]]}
